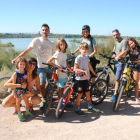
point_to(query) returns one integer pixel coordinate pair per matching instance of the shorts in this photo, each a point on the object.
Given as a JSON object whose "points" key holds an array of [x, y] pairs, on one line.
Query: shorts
{"points": [[44, 74], [62, 82], [118, 68], [20, 92], [81, 86]]}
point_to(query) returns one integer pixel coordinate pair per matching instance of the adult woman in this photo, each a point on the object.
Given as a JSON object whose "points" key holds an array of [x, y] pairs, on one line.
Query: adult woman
{"points": [[33, 78], [133, 49], [92, 47]]}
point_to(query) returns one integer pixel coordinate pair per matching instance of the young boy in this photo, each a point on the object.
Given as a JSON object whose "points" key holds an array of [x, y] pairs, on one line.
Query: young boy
{"points": [[82, 65]]}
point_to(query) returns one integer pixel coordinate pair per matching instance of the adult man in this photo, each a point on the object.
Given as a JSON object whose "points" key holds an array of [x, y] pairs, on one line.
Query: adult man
{"points": [[44, 49], [120, 46]]}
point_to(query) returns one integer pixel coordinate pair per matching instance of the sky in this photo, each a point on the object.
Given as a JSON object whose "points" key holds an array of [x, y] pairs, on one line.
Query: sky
{"points": [[68, 17]]}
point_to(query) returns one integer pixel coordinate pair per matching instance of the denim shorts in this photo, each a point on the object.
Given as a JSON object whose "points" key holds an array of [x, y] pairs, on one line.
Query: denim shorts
{"points": [[118, 68], [44, 74], [62, 82]]}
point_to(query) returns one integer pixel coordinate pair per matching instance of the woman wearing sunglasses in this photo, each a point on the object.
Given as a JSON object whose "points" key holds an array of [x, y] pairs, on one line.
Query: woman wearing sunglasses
{"points": [[32, 94]]}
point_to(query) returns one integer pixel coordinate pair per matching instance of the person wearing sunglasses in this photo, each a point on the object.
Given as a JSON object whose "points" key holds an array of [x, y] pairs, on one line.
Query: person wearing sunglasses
{"points": [[44, 49], [32, 93]]}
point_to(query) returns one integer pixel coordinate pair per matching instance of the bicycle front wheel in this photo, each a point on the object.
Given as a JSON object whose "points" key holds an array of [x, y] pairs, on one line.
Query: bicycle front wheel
{"points": [[105, 76], [120, 92], [60, 107], [48, 99], [98, 91], [3, 90]]}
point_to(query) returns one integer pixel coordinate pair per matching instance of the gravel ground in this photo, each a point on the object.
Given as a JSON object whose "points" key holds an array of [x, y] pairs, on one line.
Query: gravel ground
{"points": [[108, 125]]}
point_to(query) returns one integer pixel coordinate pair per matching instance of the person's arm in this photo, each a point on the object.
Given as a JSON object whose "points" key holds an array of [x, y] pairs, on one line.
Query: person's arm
{"points": [[10, 84], [95, 52], [91, 69], [123, 53], [24, 53], [50, 61], [113, 53], [37, 80], [76, 68], [76, 50]]}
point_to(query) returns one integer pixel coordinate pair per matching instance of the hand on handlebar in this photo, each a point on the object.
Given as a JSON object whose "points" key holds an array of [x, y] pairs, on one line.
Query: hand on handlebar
{"points": [[117, 58], [87, 74]]}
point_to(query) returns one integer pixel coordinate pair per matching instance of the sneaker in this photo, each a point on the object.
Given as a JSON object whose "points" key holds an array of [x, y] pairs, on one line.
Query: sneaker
{"points": [[92, 109], [21, 118], [113, 97], [69, 105], [29, 114], [80, 112]]}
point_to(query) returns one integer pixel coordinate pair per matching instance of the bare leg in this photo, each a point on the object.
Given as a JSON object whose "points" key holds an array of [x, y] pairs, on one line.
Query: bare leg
{"points": [[26, 101], [9, 101], [78, 99], [136, 79], [60, 92], [18, 101], [116, 86]]}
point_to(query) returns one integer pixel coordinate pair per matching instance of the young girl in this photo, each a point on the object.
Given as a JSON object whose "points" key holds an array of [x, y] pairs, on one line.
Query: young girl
{"points": [[133, 49], [19, 77], [60, 61]]}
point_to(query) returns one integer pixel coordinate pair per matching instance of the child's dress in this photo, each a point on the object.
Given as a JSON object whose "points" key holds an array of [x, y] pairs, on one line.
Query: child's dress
{"points": [[20, 79]]}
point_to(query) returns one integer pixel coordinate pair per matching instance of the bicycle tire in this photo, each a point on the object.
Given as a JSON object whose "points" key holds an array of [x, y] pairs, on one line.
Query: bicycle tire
{"points": [[102, 75], [59, 110], [47, 100], [98, 91], [3, 90], [120, 92]]}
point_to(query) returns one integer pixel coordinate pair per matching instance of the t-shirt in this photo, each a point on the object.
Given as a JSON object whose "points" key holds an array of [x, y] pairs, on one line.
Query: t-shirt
{"points": [[44, 50], [82, 62], [135, 56], [90, 50], [61, 61], [119, 46]]}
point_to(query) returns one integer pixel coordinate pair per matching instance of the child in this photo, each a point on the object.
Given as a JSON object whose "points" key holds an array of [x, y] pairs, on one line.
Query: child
{"points": [[19, 77], [82, 64], [60, 58]]}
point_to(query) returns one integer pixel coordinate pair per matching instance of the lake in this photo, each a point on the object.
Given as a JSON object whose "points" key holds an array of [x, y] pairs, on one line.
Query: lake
{"points": [[23, 43]]}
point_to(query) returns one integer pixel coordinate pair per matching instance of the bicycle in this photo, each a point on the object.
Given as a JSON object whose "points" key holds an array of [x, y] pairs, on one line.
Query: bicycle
{"points": [[126, 83], [69, 93], [51, 87], [49, 92]]}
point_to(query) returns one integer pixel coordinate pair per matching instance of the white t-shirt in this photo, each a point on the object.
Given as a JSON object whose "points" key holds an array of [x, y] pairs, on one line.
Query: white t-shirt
{"points": [[61, 61], [82, 62], [44, 50]]}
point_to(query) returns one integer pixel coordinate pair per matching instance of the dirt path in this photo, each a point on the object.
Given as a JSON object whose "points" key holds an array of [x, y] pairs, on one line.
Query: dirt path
{"points": [[121, 125]]}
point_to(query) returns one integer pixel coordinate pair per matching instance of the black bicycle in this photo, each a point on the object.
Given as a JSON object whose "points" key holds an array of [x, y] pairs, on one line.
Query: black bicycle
{"points": [[51, 87]]}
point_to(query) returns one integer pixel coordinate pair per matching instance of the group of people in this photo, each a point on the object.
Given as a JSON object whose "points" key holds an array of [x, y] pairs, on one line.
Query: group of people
{"points": [[28, 74]]}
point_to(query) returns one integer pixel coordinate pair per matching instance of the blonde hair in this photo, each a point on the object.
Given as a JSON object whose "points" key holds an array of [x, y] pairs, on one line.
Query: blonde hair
{"points": [[83, 45], [58, 44], [21, 59]]}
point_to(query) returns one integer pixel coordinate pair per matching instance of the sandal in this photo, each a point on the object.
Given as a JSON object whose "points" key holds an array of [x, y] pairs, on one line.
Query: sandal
{"points": [[15, 113]]}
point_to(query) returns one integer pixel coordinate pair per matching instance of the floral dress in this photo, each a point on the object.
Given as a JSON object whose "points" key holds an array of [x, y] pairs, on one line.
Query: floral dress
{"points": [[20, 79]]}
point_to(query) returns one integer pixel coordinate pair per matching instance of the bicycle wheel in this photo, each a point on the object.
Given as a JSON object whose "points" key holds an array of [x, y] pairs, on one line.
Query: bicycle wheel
{"points": [[48, 99], [3, 90], [102, 75], [119, 95], [98, 91], [60, 107]]}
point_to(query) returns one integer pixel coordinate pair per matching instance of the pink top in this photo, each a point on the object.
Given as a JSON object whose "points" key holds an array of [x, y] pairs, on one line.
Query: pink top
{"points": [[30, 85]]}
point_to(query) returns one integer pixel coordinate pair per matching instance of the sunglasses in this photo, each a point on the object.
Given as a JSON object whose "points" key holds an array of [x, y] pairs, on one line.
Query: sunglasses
{"points": [[32, 64]]}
